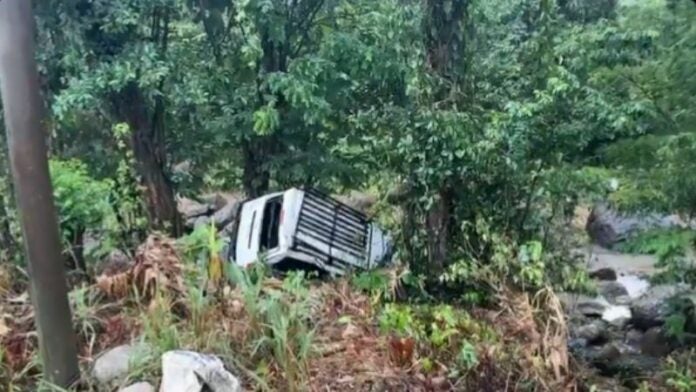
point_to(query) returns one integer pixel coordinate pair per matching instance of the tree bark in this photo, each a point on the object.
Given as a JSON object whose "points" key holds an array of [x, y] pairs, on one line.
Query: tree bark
{"points": [[443, 28], [148, 151], [23, 106]]}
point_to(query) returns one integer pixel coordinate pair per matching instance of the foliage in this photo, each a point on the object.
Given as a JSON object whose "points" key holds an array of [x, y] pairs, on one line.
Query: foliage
{"points": [[679, 374], [674, 250], [278, 318]]}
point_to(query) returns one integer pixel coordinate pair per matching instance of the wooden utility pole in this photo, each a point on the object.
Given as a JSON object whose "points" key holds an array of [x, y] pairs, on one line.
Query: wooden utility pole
{"points": [[26, 137]]}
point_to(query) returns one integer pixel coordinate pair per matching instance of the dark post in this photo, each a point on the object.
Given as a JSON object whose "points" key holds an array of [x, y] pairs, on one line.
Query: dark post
{"points": [[19, 84]]}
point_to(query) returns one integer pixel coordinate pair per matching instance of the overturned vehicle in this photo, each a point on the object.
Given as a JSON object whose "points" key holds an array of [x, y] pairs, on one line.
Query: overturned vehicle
{"points": [[304, 228]]}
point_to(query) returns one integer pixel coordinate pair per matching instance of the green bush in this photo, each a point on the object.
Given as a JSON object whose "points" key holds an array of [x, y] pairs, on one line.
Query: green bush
{"points": [[83, 204]]}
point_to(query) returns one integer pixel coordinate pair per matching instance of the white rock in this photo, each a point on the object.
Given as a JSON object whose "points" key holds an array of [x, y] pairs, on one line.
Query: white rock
{"points": [[112, 365], [139, 387], [617, 315], [188, 371]]}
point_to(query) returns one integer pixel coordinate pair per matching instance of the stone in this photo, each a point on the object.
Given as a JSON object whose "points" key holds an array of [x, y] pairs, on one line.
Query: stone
{"points": [[652, 308], [360, 201], [617, 315], [189, 371], [139, 387], [226, 214], [583, 304], [189, 208], [114, 263], [655, 342], [113, 365], [633, 337], [593, 333], [611, 290], [603, 274], [606, 226]]}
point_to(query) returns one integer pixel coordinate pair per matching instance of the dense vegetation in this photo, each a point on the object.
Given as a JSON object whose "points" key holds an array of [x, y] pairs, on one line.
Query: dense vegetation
{"points": [[481, 124]]}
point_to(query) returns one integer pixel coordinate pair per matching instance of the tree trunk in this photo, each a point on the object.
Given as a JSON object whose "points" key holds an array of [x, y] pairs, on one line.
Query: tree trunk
{"points": [[256, 177], [148, 150], [24, 116], [443, 28], [439, 230]]}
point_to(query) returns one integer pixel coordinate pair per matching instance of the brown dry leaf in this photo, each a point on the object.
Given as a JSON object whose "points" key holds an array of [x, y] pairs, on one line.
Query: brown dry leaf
{"points": [[158, 266], [115, 286], [4, 329]]}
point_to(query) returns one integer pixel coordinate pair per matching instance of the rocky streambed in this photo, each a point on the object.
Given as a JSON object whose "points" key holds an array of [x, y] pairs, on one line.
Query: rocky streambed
{"points": [[624, 330]]}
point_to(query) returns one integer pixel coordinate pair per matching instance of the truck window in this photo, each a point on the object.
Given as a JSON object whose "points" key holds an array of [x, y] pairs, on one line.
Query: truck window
{"points": [[271, 223]]}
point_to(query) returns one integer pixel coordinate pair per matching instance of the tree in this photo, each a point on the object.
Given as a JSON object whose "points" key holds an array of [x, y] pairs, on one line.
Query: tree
{"points": [[26, 140]]}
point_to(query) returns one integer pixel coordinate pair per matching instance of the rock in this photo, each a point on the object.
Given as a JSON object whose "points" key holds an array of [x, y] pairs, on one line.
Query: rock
{"points": [[617, 315], [189, 208], [652, 308], [225, 215], [360, 201], [611, 290], [655, 342], [219, 200], [634, 337], [593, 333], [188, 371], [583, 304], [113, 365], [633, 368], [623, 300], [603, 274], [138, 387], [114, 263], [607, 226], [604, 354]]}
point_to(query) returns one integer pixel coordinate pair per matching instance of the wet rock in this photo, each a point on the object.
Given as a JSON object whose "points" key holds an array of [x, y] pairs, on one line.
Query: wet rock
{"points": [[138, 387], [652, 308], [599, 356], [188, 371], [611, 290], [617, 315], [633, 367], [633, 337], [593, 333], [603, 274], [655, 342], [583, 304], [113, 365]]}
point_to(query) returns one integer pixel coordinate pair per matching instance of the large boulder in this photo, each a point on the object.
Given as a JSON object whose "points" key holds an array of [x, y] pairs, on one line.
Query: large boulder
{"points": [[226, 214], [607, 226], [603, 274], [652, 308], [189, 371], [189, 208]]}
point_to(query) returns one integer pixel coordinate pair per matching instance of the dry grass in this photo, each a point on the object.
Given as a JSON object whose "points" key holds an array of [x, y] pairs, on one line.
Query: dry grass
{"points": [[349, 351]]}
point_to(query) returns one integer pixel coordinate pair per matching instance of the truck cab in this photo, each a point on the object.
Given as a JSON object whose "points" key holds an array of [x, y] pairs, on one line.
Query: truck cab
{"points": [[306, 228]]}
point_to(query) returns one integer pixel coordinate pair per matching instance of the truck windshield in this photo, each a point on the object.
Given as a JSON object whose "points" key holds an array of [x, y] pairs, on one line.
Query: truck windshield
{"points": [[271, 223]]}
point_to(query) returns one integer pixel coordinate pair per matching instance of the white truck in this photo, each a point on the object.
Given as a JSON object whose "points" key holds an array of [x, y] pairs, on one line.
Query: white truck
{"points": [[304, 228]]}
